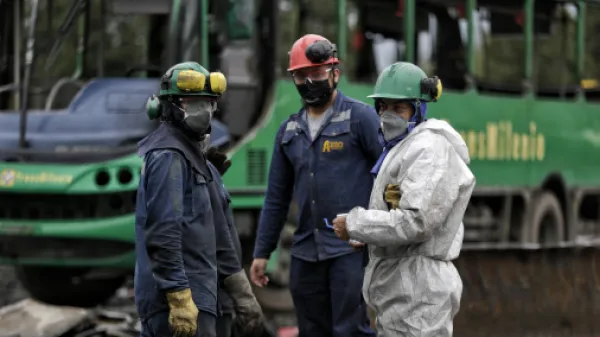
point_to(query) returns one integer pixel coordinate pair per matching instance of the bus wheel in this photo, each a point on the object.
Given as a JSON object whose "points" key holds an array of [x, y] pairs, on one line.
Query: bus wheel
{"points": [[546, 221], [67, 286]]}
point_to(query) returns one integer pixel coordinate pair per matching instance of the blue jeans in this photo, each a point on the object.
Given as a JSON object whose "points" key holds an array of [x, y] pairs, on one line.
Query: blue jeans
{"points": [[158, 325]]}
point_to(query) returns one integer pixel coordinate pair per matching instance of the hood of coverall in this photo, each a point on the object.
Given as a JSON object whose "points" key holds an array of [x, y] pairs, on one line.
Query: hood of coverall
{"points": [[443, 128]]}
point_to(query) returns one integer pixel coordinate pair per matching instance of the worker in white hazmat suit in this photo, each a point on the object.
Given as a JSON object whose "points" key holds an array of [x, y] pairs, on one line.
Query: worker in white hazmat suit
{"points": [[413, 227]]}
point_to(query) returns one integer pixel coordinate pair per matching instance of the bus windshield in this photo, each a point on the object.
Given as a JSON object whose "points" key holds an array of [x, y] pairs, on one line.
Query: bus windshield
{"points": [[81, 40]]}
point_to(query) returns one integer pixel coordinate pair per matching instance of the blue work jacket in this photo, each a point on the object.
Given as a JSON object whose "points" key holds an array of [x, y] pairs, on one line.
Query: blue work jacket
{"points": [[326, 176], [229, 249], [175, 232]]}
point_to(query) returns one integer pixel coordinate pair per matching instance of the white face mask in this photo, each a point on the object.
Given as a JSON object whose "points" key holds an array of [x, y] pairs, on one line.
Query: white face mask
{"points": [[393, 125], [197, 115]]}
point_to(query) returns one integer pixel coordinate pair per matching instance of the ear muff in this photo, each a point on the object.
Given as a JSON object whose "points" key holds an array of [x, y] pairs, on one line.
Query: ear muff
{"points": [[191, 80], [439, 88], [320, 51], [432, 86], [195, 81], [217, 83], [153, 108]]}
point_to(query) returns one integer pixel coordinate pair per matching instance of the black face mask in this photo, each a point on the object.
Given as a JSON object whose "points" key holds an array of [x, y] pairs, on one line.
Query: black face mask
{"points": [[316, 93]]}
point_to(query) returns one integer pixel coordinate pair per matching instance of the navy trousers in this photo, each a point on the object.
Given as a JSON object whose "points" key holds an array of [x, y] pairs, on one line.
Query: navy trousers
{"points": [[158, 325], [328, 297]]}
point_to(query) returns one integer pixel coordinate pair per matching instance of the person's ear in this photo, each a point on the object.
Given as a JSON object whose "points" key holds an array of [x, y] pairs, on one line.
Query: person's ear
{"points": [[336, 75]]}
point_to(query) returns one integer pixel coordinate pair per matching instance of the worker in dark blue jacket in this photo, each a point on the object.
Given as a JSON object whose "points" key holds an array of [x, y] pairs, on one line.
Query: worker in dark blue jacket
{"points": [[324, 154], [179, 242], [236, 298]]}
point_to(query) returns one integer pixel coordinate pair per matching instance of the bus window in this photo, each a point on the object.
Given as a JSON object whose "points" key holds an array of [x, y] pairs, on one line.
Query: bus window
{"points": [[111, 35], [591, 68], [501, 57], [441, 43], [376, 40], [554, 74], [440, 40]]}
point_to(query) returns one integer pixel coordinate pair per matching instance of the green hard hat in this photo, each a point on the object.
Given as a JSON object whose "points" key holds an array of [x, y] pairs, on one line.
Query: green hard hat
{"points": [[191, 79], [406, 81], [186, 79]]}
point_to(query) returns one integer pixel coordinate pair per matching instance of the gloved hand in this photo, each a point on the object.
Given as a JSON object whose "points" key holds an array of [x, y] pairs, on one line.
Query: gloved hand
{"points": [[183, 313], [391, 195], [249, 319], [218, 159]]}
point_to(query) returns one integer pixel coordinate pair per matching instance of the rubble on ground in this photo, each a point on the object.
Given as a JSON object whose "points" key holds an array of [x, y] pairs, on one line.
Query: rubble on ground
{"points": [[11, 290], [24, 317], [30, 318]]}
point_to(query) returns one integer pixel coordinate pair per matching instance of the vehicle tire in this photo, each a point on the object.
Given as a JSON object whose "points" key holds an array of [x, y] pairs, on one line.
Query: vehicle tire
{"points": [[546, 222], [67, 286]]}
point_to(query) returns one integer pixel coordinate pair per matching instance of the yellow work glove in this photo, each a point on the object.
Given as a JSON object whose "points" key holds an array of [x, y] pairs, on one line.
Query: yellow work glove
{"points": [[391, 195], [183, 313]]}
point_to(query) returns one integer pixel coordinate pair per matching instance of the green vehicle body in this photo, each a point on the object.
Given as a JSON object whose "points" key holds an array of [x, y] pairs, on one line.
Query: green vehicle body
{"points": [[515, 143], [72, 180]]}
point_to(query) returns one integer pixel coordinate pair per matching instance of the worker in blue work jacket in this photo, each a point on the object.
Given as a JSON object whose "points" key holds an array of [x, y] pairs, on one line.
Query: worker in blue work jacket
{"points": [[234, 302], [178, 242], [324, 153]]}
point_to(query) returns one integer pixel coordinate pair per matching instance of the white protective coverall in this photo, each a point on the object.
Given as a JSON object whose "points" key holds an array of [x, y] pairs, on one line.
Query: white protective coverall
{"points": [[410, 282]]}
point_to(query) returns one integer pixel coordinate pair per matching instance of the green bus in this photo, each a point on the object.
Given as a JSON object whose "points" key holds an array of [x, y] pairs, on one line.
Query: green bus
{"points": [[76, 76], [520, 85]]}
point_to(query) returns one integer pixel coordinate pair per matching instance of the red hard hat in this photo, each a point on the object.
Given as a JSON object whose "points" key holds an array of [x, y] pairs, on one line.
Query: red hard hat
{"points": [[318, 48]]}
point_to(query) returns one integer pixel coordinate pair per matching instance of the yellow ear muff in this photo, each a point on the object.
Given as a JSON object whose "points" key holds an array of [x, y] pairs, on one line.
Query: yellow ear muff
{"points": [[218, 82], [439, 88], [190, 80]]}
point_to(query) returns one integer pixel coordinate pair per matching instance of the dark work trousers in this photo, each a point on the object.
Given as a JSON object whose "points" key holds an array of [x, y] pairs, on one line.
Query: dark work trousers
{"points": [[225, 325], [328, 297], [158, 325]]}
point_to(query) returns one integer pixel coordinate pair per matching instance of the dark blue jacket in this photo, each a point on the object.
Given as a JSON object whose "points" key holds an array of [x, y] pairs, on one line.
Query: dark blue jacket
{"points": [[229, 249], [329, 175], [175, 230]]}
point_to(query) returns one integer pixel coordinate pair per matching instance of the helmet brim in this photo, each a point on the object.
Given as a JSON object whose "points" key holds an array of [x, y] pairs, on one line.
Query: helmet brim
{"points": [[183, 94], [392, 96], [333, 61]]}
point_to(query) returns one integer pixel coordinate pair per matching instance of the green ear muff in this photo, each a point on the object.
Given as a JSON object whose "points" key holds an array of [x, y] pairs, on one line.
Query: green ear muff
{"points": [[153, 107]]}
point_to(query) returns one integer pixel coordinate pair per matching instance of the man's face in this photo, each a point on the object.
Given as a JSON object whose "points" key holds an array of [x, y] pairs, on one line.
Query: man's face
{"points": [[318, 73], [401, 108]]}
